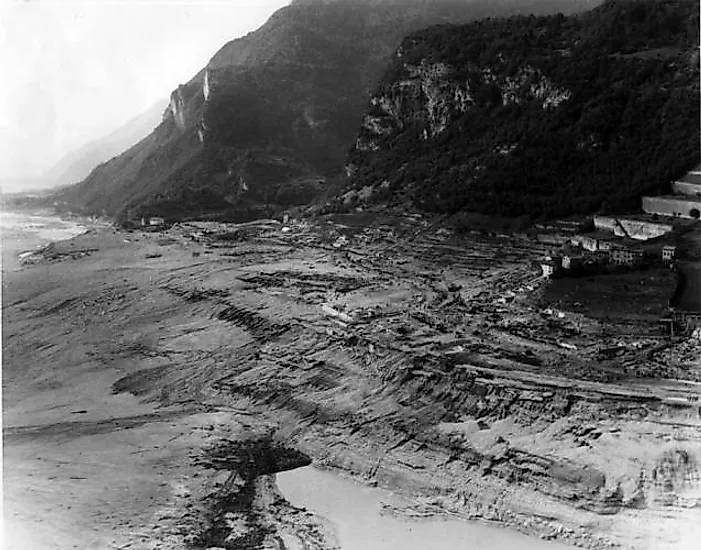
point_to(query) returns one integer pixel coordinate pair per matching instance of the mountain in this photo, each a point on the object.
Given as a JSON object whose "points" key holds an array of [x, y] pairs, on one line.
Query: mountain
{"points": [[78, 164], [540, 116], [268, 122]]}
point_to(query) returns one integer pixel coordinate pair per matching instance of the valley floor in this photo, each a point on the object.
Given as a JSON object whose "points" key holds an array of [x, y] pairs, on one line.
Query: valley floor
{"points": [[154, 383]]}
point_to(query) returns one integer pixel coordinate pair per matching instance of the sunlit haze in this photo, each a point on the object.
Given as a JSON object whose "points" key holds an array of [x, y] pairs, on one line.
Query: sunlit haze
{"points": [[75, 71]]}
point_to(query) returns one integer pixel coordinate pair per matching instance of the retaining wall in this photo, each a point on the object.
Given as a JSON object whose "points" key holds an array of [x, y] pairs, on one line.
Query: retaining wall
{"points": [[686, 188], [636, 229], [671, 206]]}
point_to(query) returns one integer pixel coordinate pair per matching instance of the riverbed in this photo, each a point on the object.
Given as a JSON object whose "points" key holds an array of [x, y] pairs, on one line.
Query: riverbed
{"points": [[355, 511]]}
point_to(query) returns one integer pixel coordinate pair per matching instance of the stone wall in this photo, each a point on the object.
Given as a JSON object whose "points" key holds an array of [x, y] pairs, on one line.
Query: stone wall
{"points": [[686, 188], [671, 206]]}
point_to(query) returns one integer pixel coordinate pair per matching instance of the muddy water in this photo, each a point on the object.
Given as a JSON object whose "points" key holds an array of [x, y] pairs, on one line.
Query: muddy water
{"points": [[354, 510], [21, 232]]}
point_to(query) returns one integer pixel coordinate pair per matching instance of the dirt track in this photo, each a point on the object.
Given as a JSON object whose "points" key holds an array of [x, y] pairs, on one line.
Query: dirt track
{"points": [[439, 366]]}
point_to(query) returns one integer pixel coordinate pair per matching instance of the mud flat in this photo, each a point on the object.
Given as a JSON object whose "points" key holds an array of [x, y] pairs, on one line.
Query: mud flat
{"points": [[366, 517], [23, 233], [155, 382]]}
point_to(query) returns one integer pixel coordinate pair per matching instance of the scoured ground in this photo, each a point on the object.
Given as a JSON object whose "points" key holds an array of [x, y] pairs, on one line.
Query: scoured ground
{"points": [[438, 366]]}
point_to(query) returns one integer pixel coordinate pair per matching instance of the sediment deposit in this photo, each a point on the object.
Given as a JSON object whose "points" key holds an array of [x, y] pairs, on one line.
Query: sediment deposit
{"points": [[155, 380]]}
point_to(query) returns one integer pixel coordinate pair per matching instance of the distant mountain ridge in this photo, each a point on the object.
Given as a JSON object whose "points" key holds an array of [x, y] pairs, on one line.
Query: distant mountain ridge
{"points": [[77, 165], [267, 123], [538, 116]]}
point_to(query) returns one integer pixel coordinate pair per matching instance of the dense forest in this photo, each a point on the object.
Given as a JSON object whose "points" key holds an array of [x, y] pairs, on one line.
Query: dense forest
{"points": [[626, 121]]}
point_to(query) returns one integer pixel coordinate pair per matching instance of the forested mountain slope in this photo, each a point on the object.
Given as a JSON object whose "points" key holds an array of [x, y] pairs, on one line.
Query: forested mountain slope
{"points": [[532, 115], [268, 122]]}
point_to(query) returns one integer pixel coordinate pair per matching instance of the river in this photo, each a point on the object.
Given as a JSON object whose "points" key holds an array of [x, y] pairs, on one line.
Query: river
{"points": [[354, 510]]}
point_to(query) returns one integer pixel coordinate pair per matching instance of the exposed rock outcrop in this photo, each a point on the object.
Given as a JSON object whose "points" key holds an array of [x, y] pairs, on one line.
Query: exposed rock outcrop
{"points": [[177, 108]]}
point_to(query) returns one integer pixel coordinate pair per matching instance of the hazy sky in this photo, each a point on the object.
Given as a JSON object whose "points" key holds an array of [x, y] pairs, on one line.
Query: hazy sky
{"points": [[73, 71]]}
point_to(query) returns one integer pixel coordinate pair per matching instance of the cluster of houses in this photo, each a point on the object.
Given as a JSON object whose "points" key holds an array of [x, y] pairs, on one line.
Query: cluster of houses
{"points": [[630, 241], [594, 253]]}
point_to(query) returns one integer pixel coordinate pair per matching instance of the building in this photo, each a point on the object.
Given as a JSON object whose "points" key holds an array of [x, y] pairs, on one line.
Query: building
{"points": [[669, 252], [572, 261], [585, 241], [623, 255], [591, 242], [551, 266]]}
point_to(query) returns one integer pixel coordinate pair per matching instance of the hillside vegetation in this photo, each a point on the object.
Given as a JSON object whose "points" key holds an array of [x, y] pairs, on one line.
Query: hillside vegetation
{"points": [[268, 122], [544, 116]]}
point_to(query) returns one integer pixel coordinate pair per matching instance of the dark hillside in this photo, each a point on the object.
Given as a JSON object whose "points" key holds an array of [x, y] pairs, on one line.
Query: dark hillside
{"points": [[546, 116], [267, 123]]}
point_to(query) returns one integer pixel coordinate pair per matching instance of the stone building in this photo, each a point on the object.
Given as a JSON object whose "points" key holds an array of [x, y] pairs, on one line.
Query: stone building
{"points": [[669, 252], [622, 255], [572, 261], [551, 266]]}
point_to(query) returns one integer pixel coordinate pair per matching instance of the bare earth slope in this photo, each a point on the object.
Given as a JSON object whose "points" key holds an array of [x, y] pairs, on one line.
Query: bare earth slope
{"points": [[153, 382]]}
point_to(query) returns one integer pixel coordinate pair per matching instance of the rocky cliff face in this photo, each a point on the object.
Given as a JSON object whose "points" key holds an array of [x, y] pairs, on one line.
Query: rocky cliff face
{"points": [[435, 95], [177, 108], [539, 116], [276, 109]]}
